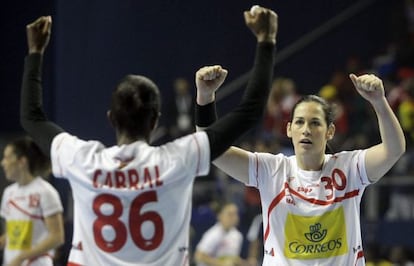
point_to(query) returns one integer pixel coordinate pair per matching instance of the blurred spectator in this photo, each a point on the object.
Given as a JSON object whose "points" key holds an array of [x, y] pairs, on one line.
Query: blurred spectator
{"points": [[181, 109], [255, 241], [406, 110], [282, 97], [399, 256], [221, 244], [395, 96], [373, 256], [331, 92], [402, 197]]}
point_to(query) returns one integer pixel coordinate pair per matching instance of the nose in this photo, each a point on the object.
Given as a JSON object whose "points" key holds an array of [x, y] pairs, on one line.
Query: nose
{"points": [[306, 130]]}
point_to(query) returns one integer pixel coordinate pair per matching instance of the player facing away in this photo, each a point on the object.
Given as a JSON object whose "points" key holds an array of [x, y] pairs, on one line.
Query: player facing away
{"points": [[132, 201], [311, 200]]}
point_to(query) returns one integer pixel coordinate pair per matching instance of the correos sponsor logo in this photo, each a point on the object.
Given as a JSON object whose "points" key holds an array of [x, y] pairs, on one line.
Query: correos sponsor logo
{"points": [[316, 235], [301, 248]]}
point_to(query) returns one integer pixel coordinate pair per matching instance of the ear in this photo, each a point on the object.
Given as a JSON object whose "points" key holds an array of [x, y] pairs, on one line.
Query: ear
{"points": [[154, 120], [110, 118], [24, 162], [289, 129], [331, 131]]}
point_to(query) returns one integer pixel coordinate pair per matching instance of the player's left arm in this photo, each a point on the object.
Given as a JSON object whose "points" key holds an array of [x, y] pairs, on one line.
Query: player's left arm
{"points": [[381, 157], [2, 228], [32, 116], [55, 237], [3, 233]]}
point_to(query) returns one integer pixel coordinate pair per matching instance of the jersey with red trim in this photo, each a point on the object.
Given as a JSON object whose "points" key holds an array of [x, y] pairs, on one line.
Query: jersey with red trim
{"points": [[24, 209], [220, 243], [132, 203], [310, 217]]}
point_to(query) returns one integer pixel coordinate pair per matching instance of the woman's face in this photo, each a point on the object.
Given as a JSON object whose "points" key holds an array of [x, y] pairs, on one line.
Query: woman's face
{"points": [[229, 216], [11, 164], [308, 129]]}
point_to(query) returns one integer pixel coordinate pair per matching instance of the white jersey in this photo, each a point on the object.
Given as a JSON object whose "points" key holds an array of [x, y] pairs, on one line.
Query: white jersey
{"points": [[132, 203], [219, 243], [24, 209], [310, 217]]}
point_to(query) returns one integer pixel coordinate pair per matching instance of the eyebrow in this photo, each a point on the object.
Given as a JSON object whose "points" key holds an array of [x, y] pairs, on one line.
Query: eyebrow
{"points": [[312, 119]]}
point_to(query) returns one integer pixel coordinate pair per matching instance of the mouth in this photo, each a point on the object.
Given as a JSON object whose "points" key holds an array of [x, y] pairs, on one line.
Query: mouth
{"points": [[305, 141]]}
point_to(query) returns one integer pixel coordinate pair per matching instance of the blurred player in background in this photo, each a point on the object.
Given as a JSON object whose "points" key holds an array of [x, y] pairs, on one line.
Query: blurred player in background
{"points": [[31, 207], [221, 244]]}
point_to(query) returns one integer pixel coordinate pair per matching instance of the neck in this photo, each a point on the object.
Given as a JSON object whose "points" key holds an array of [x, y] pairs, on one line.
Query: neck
{"points": [[125, 139], [310, 162], [226, 228], [25, 178]]}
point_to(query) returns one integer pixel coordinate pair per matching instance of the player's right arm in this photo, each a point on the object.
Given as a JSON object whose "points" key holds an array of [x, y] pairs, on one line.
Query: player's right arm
{"points": [[222, 133], [204, 258], [32, 116]]}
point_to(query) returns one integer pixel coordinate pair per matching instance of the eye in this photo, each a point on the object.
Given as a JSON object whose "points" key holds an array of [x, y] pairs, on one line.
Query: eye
{"points": [[298, 122], [316, 123]]}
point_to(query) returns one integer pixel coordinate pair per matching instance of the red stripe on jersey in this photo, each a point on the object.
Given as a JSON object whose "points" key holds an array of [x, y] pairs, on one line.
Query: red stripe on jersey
{"points": [[185, 262], [24, 211], [279, 197], [347, 195], [198, 154], [72, 264], [272, 205]]}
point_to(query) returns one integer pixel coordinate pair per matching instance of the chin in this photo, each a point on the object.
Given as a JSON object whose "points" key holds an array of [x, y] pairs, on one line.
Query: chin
{"points": [[10, 178]]}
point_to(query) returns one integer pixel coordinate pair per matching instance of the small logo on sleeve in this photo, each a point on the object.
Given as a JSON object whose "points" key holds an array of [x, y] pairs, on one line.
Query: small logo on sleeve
{"points": [[270, 252]]}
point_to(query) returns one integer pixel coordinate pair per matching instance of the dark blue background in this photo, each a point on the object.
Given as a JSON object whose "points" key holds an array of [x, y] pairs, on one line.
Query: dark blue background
{"points": [[95, 43]]}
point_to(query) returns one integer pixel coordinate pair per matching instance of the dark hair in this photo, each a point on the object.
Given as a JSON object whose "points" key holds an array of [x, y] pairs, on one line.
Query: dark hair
{"points": [[39, 163], [135, 106], [219, 206], [326, 107]]}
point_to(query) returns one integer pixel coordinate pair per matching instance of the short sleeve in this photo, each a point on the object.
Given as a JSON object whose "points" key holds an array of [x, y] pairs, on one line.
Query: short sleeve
{"points": [[194, 150], [359, 161], [254, 229], [65, 148], [3, 203], [262, 167], [208, 241], [51, 203]]}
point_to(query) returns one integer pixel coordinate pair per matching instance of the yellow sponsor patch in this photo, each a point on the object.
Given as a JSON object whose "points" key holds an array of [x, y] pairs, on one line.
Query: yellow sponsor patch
{"points": [[19, 234], [315, 237]]}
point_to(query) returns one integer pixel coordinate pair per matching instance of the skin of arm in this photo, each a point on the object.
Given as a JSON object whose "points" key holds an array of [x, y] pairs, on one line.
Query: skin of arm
{"points": [[381, 157], [2, 241], [235, 161], [3, 235], [253, 252], [55, 238], [202, 257]]}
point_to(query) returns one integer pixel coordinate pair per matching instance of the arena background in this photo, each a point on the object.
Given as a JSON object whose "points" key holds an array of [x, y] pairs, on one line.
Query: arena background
{"points": [[95, 43]]}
